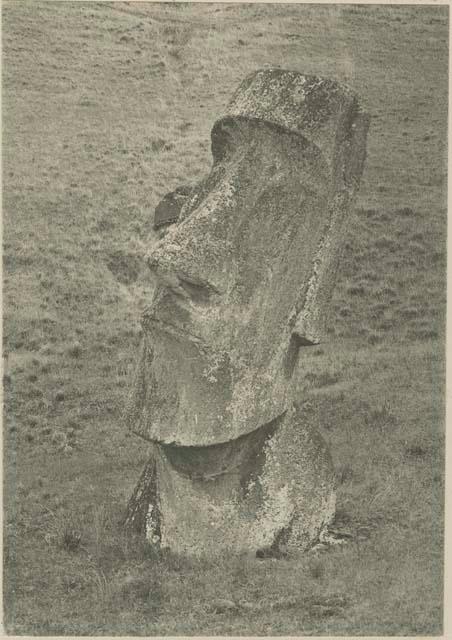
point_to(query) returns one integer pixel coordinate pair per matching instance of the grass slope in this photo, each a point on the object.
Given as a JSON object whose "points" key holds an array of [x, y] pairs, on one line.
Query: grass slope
{"points": [[106, 107]]}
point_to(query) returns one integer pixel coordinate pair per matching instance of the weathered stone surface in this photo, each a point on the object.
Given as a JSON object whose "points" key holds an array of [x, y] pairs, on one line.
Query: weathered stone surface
{"points": [[266, 488], [244, 280]]}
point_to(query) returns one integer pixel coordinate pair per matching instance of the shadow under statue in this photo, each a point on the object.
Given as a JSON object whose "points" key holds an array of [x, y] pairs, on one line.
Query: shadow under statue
{"points": [[245, 268]]}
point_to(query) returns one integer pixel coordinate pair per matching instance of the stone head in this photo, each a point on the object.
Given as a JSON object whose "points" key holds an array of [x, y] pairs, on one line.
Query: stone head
{"points": [[245, 264]]}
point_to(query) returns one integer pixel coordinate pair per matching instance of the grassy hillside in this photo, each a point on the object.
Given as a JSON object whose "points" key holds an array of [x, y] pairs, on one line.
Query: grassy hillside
{"points": [[108, 106]]}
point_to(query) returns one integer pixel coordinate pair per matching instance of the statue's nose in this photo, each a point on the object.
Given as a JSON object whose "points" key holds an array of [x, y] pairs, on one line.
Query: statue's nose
{"points": [[160, 257], [162, 270]]}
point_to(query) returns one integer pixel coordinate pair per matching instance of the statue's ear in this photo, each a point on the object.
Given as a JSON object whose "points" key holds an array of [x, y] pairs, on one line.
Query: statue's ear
{"points": [[309, 327], [306, 332], [302, 336], [354, 165], [310, 323]]}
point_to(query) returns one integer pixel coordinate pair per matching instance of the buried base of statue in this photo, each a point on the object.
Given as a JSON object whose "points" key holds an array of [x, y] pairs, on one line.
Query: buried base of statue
{"points": [[273, 488]]}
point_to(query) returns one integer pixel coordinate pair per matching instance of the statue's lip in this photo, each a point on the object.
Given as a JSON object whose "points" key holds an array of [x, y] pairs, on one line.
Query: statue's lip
{"points": [[172, 329]]}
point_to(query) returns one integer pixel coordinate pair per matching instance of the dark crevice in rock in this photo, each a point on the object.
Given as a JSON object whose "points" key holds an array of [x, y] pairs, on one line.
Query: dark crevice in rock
{"points": [[145, 494], [243, 456]]}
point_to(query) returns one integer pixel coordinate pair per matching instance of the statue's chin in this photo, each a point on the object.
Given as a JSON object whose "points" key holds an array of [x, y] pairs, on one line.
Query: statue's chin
{"points": [[200, 395], [236, 457], [212, 420]]}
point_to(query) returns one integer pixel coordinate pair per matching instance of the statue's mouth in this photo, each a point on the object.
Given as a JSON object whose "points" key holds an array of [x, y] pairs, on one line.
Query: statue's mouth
{"points": [[173, 329]]}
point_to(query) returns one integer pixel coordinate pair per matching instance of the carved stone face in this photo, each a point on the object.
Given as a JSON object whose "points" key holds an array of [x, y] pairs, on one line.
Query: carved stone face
{"points": [[243, 275]]}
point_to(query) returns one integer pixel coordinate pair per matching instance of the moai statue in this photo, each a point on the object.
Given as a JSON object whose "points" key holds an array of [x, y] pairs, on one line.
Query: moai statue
{"points": [[244, 273]]}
